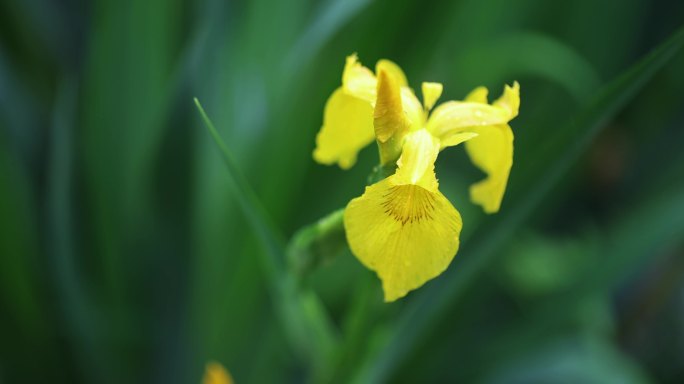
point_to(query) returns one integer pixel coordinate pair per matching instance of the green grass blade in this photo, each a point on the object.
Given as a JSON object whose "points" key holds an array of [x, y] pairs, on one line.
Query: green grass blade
{"points": [[301, 313], [425, 309], [250, 205]]}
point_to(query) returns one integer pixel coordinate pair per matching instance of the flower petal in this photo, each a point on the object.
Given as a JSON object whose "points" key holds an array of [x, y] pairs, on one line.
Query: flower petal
{"points": [[492, 152], [393, 70], [388, 117], [347, 128], [431, 93], [413, 109], [456, 116], [358, 80], [510, 99], [417, 162], [405, 233], [389, 120], [478, 95], [456, 139]]}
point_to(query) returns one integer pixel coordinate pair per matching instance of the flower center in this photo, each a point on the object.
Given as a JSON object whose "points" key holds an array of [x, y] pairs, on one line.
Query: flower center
{"points": [[408, 203]]}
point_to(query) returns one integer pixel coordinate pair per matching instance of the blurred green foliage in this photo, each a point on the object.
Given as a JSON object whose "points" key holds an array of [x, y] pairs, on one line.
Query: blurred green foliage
{"points": [[126, 254]]}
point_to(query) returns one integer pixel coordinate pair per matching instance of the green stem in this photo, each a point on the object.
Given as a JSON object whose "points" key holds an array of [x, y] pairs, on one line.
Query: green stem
{"points": [[317, 243], [365, 308]]}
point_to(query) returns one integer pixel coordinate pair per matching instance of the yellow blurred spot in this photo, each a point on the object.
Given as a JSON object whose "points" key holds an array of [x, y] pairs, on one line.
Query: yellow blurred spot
{"points": [[215, 373]]}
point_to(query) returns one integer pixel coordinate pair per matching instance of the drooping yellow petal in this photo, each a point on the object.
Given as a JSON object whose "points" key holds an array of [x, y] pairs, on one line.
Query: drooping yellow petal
{"points": [[215, 373], [403, 227], [405, 233], [492, 149], [393, 70], [358, 81], [347, 128], [431, 93], [492, 152]]}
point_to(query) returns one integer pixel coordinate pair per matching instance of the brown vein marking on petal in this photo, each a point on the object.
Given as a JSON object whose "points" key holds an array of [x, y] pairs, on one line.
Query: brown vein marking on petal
{"points": [[408, 203]]}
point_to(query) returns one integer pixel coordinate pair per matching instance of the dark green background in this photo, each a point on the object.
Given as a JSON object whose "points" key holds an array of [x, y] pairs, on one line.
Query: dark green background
{"points": [[124, 256]]}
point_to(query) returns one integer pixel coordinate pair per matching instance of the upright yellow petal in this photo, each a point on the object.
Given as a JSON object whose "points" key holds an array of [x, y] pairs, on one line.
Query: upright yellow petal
{"points": [[389, 120], [510, 99], [405, 233], [478, 95], [347, 128], [492, 152], [358, 81], [431, 93], [388, 117], [413, 109], [215, 373], [393, 70], [411, 105]]}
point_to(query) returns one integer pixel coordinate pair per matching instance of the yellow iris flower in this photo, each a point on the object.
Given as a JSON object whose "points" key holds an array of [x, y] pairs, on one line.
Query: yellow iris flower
{"points": [[403, 227]]}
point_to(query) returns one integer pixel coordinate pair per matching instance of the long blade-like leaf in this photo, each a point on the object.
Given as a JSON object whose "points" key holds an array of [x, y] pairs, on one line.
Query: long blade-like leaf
{"points": [[302, 315], [572, 139], [249, 203]]}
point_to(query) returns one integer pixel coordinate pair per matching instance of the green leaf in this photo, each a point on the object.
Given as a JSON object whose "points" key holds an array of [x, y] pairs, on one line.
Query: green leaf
{"points": [[330, 19], [575, 360], [71, 293], [570, 140], [301, 313], [249, 204]]}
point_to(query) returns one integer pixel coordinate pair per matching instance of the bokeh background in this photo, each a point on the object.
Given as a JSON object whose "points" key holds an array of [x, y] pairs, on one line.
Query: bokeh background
{"points": [[125, 256]]}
